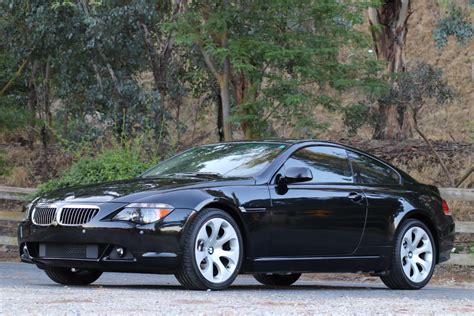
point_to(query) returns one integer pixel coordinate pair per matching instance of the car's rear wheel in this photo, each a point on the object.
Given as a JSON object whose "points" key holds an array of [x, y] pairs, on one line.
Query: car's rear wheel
{"points": [[414, 257], [71, 276], [212, 251], [275, 279]]}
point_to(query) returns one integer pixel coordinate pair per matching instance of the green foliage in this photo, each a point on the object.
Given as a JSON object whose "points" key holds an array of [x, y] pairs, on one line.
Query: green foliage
{"points": [[287, 57], [5, 167], [96, 54], [112, 164], [89, 58], [13, 116], [414, 88], [356, 116], [13, 112], [421, 82], [457, 24]]}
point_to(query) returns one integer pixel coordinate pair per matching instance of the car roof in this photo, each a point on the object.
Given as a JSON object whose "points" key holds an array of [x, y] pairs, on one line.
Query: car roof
{"points": [[281, 141]]}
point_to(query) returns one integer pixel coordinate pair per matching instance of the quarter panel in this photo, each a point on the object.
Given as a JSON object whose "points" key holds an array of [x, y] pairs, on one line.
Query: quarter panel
{"points": [[386, 205]]}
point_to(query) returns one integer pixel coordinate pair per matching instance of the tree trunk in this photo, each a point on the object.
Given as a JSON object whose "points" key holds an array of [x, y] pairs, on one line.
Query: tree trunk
{"points": [[389, 25], [225, 97], [220, 123], [243, 94], [32, 105]]}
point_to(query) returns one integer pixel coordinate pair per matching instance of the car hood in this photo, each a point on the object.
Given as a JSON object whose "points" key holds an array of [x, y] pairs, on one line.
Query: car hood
{"points": [[120, 191]]}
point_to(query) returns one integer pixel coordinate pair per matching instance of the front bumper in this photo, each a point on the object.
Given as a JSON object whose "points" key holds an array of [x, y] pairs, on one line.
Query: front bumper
{"points": [[152, 248]]}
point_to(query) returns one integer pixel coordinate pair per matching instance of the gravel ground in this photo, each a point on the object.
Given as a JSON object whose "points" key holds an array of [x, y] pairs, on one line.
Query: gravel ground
{"points": [[26, 290]]}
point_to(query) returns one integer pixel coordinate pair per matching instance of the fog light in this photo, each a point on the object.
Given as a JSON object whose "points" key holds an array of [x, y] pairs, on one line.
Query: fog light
{"points": [[120, 252]]}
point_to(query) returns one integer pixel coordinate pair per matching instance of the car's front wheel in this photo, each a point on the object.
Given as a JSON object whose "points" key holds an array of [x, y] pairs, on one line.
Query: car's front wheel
{"points": [[212, 251], [275, 279], [414, 257], [71, 276]]}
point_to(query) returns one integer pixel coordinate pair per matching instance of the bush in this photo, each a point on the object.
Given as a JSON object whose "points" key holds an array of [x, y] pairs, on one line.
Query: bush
{"points": [[457, 24], [113, 164], [5, 168], [356, 116]]}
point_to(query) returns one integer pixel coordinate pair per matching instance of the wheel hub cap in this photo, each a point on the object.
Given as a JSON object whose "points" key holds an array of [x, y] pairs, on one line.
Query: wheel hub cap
{"points": [[217, 250], [416, 254]]}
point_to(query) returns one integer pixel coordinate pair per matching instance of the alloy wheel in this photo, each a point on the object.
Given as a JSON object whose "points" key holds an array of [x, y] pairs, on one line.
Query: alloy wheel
{"points": [[416, 254], [217, 250]]}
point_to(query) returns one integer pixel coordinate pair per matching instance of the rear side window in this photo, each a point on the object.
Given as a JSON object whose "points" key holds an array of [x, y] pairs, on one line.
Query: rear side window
{"points": [[370, 171], [327, 164]]}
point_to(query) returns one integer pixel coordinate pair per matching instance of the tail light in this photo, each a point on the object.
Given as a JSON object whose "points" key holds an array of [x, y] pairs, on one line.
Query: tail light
{"points": [[445, 206]]}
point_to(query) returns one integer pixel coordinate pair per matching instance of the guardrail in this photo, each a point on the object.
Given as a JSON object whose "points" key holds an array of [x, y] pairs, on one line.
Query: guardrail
{"points": [[455, 194], [22, 194], [15, 194]]}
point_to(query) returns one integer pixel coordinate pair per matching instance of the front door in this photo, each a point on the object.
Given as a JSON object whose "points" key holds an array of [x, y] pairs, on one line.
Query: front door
{"points": [[321, 217]]}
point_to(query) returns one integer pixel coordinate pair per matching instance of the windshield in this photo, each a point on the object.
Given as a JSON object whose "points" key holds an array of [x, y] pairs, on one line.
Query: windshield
{"points": [[229, 159]]}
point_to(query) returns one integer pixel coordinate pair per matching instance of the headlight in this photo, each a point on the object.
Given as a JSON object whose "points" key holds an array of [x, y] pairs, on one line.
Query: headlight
{"points": [[29, 208], [143, 213]]}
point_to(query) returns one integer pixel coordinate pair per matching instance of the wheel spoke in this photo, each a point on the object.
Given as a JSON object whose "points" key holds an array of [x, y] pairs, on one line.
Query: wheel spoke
{"points": [[200, 255], [223, 273], [406, 268], [421, 262], [403, 252], [425, 248], [228, 235], [416, 272], [232, 255], [215, 225], [202, 236], [409, 237], [418, 235], [208, 271]]}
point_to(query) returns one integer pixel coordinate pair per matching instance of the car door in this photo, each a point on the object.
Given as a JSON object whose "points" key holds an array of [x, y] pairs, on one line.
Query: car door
{"points": [[321, 217]]}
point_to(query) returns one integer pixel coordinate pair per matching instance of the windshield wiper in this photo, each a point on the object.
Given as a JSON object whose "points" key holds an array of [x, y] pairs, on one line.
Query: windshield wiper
{"points": [[197, 174]]}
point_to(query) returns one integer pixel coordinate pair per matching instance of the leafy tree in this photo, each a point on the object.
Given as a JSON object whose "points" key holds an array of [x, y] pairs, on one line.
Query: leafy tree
{"points": [[416, 89], [279, 59]]}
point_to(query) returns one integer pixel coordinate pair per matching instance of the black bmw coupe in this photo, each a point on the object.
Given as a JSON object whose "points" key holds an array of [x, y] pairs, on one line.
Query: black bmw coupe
{"points": [[274, 209]]}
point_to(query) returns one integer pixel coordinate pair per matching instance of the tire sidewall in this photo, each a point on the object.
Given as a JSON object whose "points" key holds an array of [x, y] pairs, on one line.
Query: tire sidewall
{"points": [[200, 220], [406, 226]]}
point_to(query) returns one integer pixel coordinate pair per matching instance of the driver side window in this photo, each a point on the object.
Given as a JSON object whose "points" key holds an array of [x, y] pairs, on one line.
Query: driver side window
{"points": [[327, 164]]}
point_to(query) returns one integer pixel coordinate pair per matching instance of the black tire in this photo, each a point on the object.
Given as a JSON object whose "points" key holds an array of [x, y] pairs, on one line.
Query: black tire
{"points": [[67, 277], [188, 273], [277, 279], [396, 278]]}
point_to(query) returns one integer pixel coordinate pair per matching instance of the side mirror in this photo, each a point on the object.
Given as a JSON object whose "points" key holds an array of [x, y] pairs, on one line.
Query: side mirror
{"points": [[296, 174]]}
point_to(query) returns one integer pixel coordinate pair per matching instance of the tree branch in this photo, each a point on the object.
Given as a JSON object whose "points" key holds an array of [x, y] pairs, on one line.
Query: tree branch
{"points": [[209, 63], [441, 162], [403, 15], [13, 78], [373, 16]]}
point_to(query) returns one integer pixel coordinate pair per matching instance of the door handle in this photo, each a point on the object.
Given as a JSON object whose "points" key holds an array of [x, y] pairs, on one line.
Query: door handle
{"points": [[355, 197]]}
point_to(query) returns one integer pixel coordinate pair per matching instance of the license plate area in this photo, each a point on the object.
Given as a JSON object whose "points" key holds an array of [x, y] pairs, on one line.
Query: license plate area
{"points": [[68, 251]]}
